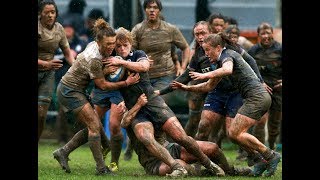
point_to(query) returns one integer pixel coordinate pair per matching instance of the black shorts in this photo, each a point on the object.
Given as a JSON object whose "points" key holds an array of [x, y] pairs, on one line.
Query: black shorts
{"points": [[156, 111]]}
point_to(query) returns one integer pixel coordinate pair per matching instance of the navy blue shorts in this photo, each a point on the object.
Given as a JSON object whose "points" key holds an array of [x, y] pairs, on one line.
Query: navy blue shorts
{"points": [[105, 98], [223, 103]]}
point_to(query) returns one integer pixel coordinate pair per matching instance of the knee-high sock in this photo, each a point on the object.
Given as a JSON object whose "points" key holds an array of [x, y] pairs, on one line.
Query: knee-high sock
{"points": [[129, 148], [95, 147], [193, 121], [105, 142], [222, 161], [77, 140], [116, 145]]}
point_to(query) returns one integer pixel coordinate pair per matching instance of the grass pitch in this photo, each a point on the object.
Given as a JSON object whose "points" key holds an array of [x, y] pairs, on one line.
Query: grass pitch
{"points": [[82, 165]]}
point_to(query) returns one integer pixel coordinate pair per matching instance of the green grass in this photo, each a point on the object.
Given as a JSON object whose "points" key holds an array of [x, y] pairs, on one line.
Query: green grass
{"points": [[83, 167]]}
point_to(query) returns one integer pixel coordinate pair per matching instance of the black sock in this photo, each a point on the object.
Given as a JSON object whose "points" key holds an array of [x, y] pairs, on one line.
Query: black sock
{"points": [[116, 145]]}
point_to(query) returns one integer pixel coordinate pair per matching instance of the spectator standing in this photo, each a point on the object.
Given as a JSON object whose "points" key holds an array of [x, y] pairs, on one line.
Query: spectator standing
{"points": [[87, 33], [74, 15], [202, 10]]}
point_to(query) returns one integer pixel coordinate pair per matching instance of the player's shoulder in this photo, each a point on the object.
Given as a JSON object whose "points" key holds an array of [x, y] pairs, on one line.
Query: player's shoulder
{"points": [[139, 53]]}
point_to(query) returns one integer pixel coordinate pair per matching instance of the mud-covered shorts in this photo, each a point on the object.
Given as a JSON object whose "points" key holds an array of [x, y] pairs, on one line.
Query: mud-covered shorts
{"points": [[156, 111], [105, 98], [256, 105], [71, 100]]}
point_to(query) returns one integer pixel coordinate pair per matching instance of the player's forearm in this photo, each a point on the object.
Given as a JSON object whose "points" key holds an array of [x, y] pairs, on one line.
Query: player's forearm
{"points": [[70, 59], [217, 73], [141, 66], [204, 87], [113, 85], [185, 58], [129, 116], [68, 55], [183, 78]]}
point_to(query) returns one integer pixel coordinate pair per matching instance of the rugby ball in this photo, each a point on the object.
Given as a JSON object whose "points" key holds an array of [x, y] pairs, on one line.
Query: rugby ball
{"points": [[117, 75]]}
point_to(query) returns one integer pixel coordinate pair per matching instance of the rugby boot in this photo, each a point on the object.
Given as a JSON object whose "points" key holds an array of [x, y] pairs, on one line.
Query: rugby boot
{"points": [[216, 169], [272, 164], [178, 172], [242, 171], [61, 156], [259, 168], [253, 159], [104, 171], [113, 167]]}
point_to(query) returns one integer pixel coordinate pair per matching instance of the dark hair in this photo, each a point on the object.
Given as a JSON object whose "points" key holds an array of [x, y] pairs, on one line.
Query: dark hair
{"points": [[230, 20], [158, 2], [264, 25], [102, 28], [43, 3], [232, 29], [68, 23], [215, 16], [77, 6], [95, 14]]}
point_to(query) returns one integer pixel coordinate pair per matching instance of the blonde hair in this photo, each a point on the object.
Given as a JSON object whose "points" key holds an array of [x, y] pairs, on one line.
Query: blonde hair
{"points": [[123, 35]]}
